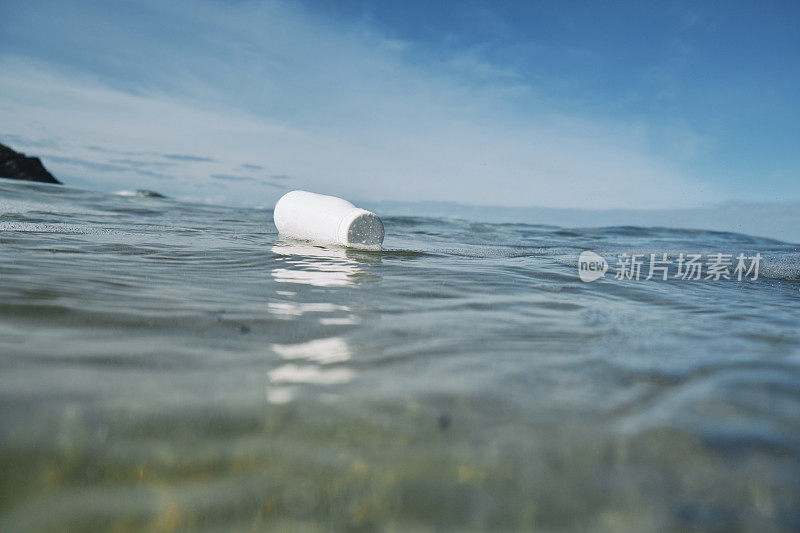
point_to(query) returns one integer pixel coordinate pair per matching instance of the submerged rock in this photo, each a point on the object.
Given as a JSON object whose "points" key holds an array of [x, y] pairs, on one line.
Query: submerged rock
{"points": [[18, 166], [142, 193]]}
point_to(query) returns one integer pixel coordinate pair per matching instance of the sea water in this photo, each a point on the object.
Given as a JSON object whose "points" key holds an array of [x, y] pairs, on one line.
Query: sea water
{"points": [[172, 366]]}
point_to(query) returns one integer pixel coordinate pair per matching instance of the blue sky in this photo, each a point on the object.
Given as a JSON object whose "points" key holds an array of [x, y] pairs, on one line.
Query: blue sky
{"points": [[557, 104]]}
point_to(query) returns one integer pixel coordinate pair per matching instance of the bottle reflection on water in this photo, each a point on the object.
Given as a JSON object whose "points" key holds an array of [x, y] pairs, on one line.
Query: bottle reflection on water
{"points": [[322, 266], [322, 361]]}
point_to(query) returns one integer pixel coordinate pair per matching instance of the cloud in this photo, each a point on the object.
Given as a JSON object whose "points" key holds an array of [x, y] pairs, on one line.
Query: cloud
{"points": [[90, 165], [106, 150], [151, 174], [24, 142], [270, 184], [139, 163], [341, 109], [181, 157], [228, 177]]}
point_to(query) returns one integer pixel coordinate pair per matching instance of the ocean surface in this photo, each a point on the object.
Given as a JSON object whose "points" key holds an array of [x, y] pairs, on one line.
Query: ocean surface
{"points": [[174, 366]]}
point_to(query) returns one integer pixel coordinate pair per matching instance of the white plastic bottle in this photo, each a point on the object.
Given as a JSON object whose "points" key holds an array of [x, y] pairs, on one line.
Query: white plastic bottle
{"points": [[317, 217]]}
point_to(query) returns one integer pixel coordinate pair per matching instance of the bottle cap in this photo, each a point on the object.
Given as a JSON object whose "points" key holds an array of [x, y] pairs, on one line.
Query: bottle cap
{"points": [[360, 228]]}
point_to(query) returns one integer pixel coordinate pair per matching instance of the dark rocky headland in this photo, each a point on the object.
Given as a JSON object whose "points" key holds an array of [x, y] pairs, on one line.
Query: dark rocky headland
{"points": [[18, 166]]}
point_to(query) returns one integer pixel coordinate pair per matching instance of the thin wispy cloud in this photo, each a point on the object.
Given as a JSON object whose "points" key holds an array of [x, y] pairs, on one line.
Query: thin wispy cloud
{"points": [[141, 163], [183, 157], [228, 177], [89, 165]]}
